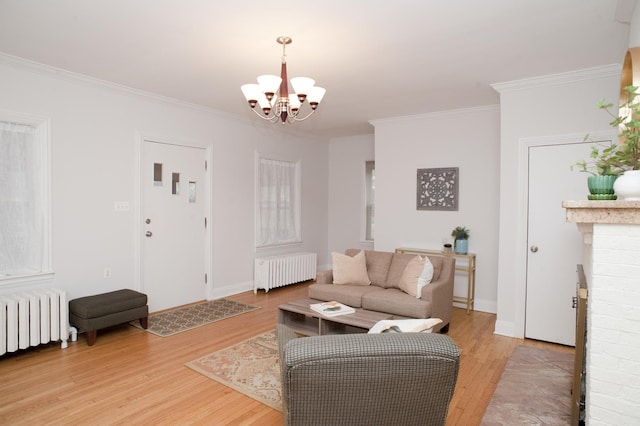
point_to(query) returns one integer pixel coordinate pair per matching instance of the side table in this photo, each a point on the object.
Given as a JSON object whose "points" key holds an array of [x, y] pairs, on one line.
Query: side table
{"points": [[469, 268]]}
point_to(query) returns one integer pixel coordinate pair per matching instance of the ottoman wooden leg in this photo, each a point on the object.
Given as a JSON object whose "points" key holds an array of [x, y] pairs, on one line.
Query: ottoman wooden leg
{"points": [[144, 322], [91, 337]]}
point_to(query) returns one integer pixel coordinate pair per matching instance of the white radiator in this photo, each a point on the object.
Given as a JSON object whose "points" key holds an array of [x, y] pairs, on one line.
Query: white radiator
{"points": [[31, 318], [277, 271]]}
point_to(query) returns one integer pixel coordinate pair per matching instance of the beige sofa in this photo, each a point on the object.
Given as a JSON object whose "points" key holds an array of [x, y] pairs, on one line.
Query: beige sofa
{"points": [[384, 294]]}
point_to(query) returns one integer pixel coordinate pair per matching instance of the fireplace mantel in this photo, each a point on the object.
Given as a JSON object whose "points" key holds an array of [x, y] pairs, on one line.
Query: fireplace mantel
{"points": [[602, 211]]}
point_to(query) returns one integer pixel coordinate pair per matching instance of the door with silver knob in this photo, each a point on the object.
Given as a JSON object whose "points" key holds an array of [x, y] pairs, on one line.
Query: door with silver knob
{"points": [[554, 246], [173, 212]]}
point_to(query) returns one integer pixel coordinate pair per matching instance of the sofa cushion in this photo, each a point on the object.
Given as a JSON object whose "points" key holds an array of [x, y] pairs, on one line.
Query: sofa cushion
{"points": [[377, 265], [436, 261], [396, 302], [347, 294], [416, 275], [398, 264], [350, 270]]}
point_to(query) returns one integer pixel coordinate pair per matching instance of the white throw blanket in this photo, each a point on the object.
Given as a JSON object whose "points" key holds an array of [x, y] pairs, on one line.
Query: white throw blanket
{"points": [[405, 326]]}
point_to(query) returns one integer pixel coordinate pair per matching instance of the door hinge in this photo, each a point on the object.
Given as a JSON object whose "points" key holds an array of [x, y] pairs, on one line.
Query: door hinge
{"points": [[205, 166], [205, 222], [205, 278]]}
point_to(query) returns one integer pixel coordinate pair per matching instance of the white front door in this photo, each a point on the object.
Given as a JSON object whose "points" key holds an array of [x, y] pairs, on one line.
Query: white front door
{"points": [[173, 214], [554, 245]]}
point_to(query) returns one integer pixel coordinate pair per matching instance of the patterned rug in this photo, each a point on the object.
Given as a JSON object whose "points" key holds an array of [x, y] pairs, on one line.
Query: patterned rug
{"points": [[182, 319], [250, 367], [535, 389]]}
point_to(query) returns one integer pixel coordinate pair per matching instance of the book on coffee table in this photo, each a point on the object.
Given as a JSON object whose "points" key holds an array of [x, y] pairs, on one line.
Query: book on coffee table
{"points": [[332, 309]]}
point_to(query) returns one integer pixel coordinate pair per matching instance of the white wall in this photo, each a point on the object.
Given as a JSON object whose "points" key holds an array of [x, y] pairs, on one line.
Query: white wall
{"points": [[468, 139], [347, 158], [540, 107], [634, 28], [94, 131]]}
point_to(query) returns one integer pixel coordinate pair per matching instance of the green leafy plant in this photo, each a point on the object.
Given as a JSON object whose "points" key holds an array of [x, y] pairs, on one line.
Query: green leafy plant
{"points": [[627, 120], [611, 158], [602, 160], [460, 233]]}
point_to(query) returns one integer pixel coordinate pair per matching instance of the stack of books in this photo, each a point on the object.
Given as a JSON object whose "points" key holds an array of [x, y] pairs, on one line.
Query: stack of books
{"points": [[332, 309]]}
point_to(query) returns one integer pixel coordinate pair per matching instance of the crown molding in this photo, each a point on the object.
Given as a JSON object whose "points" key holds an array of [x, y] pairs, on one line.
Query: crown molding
{"points": [[612, 70], [436, 114], [62, 74]]}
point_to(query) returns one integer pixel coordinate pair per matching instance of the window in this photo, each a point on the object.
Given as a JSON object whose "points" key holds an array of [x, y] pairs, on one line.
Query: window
{"points": [[277, 201], [370, 199], [24, 199]]}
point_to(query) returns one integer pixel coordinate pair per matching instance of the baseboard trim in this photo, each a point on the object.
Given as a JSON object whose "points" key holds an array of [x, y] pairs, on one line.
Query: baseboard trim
{"points": [[230, 290], [505, 328]]}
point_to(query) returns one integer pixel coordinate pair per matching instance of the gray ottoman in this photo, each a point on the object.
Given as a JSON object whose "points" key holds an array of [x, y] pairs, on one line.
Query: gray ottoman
{"points": [[92, 313]]}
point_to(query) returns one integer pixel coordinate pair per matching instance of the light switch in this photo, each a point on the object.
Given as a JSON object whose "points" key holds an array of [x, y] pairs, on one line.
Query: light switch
{"points": [[121, 206]]}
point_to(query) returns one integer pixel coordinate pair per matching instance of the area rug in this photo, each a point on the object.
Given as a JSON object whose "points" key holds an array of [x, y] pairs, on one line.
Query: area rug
{"points": [[535, 389], [182, 319], [250, 367]]}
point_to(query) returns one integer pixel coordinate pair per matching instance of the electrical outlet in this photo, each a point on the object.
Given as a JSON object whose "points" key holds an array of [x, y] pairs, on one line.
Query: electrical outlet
{"points": [[121, 206], [107, 272]]}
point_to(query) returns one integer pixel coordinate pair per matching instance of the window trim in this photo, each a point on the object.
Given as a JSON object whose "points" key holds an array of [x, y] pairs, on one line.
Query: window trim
{"points": [[365, 199], [43, 134]]}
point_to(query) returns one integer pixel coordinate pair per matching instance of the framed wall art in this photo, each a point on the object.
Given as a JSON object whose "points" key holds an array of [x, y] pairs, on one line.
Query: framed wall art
{"points": [[437, 189]]}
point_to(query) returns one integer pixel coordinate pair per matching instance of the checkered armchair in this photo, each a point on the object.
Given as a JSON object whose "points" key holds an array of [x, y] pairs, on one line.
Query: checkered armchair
{"points": [[367, 379]]}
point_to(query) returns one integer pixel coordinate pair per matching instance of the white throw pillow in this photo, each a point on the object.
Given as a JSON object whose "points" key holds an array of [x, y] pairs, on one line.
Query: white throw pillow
{"points": [[350, 270], [427, 274], [416, 275], [405, 326]]}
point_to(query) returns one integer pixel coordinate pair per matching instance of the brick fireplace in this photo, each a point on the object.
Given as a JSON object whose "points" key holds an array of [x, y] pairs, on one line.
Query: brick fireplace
{"points": [[611, 236]]}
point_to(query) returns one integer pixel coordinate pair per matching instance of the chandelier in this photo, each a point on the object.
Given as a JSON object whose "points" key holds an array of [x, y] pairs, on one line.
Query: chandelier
{"points": [[272, 93]]}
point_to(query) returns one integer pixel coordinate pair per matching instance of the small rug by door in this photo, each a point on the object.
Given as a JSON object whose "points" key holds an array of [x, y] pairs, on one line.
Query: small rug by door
{"points": [[251, 367], [535, 389], [182, 319]]}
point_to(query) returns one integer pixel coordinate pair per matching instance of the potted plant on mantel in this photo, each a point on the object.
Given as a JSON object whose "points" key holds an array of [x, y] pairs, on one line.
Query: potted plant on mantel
{"points": [[624, 158], [460, 235], [601, 170]]}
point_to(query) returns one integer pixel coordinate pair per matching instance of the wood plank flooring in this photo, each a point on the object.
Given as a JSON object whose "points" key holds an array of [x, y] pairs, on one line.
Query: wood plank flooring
{"points": [[132, 377]]}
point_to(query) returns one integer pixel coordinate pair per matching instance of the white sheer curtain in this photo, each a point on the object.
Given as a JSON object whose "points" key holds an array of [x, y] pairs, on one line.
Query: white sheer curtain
{"points": [[22, 202], [278, 201]]}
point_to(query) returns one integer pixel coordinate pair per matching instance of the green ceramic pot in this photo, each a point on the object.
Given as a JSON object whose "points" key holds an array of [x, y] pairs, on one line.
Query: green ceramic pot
{"points": [[601, 187]]}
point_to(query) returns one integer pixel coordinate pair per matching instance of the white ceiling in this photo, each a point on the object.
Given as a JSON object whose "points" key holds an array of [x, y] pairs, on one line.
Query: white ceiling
{"points": [[376, 58]]}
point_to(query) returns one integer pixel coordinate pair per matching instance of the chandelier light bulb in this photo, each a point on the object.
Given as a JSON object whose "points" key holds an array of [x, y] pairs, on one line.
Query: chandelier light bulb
{"points": [[269, 84], [294, 103], [315, 96], [252, 93], [302, 85]]}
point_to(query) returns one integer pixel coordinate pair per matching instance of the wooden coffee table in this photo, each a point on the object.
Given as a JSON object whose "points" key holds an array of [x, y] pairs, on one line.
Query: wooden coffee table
{"points": [[298, 316]]}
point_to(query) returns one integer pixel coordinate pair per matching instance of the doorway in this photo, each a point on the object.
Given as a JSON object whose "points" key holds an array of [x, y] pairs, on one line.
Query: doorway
{"points": [[174, 214]]}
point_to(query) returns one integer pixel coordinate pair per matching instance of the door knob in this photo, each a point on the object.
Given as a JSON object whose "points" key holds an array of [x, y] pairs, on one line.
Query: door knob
{"points": [[534, 249], [148, 234]]}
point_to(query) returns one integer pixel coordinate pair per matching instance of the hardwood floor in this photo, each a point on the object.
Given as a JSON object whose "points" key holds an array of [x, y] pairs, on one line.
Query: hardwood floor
{"points": [[133, 377]]}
